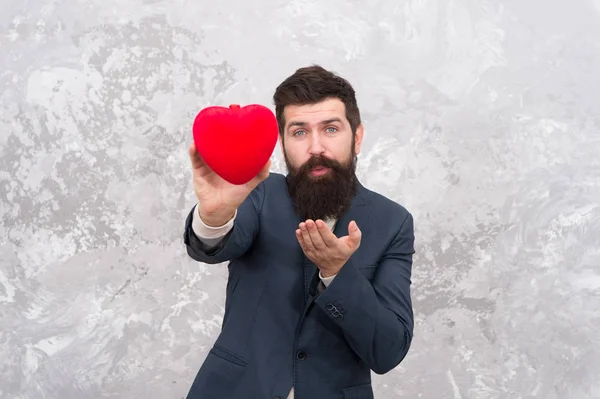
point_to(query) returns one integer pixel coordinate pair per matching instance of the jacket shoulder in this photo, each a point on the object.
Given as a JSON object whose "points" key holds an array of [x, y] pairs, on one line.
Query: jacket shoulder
{"points": [[274, 178], [273, 183], [386, 205]]}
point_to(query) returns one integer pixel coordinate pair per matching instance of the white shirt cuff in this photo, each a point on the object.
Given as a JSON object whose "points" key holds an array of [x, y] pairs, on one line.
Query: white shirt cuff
{"points": [[326, 280], [203, 231]]}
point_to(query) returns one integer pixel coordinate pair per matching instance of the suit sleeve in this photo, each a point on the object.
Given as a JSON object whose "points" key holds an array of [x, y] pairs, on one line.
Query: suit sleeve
{"points": [[376, 317], [239, 238], [208, 235]]}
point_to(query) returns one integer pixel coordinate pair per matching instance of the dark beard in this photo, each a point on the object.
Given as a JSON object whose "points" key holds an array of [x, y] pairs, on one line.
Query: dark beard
{"points": [[322, 197]]}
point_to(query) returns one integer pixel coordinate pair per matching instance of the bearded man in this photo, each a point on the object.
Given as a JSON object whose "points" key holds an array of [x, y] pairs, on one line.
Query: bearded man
{"points": [[318, 293]]}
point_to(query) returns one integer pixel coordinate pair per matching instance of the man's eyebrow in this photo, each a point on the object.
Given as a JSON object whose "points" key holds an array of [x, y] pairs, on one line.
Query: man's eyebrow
{"points": [[296, 123], [324, 122], [328, 121]]}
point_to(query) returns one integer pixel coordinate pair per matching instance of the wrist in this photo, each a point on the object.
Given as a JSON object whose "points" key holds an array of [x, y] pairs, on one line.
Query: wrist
{"points": [[216, 220], [328, 273]]}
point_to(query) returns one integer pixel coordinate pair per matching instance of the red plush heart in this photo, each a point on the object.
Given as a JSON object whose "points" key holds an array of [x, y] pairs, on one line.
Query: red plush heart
{"points": [[235, 142]]}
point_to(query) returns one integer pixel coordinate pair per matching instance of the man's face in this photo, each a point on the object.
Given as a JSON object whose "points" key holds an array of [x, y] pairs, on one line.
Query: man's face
{"points": [[320, 153]]}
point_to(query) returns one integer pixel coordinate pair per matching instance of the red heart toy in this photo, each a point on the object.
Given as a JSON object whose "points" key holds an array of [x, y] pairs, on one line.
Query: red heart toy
{"points": [[236, 142]]}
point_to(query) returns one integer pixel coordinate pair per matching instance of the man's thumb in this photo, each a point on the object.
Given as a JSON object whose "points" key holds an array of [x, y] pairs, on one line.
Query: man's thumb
{"points": [[355, 233]]}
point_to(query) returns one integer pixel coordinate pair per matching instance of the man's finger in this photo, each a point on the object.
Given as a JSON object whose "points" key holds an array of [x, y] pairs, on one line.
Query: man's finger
{"points": [[195, 158], [355, 235], [328, 237], [315, 235], [264, 172], [300, 239], [308, 244]]}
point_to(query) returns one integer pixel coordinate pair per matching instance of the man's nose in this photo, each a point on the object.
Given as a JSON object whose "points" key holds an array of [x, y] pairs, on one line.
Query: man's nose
{"points": [[316, 147]]}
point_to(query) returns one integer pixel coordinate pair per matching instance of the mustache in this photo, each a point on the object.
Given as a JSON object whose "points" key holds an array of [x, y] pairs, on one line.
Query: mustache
{"points": [[320, 161]]}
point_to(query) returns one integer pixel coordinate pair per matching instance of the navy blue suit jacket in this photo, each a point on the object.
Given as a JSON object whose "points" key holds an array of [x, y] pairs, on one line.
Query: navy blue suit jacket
{"points": [[279, 331]]}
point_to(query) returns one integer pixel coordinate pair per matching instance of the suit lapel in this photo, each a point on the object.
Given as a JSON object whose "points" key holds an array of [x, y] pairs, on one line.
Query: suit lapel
{"points": [[359, 212]]}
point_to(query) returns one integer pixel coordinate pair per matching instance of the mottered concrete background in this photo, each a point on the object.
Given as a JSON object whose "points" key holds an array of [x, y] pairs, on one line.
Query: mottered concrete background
{"points": [[481, 117]]}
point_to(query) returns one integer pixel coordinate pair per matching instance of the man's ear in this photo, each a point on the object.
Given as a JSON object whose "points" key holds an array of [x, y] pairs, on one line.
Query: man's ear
{"points": [[360, 132]]}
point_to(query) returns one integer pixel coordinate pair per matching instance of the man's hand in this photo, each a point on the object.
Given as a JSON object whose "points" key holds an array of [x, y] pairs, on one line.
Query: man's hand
{"points": [[324, 249], [217, 198]]}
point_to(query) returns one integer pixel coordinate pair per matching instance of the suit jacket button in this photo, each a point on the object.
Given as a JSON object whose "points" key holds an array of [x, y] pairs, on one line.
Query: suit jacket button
{"points": [[301, 355]]}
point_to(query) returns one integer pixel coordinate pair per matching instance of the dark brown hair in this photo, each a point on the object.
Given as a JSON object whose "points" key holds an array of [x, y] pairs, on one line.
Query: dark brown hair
{"points": [[313, 84]]}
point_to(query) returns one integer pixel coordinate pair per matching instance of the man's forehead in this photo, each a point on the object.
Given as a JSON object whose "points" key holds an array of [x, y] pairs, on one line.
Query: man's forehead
{"points": [[313, 114]]}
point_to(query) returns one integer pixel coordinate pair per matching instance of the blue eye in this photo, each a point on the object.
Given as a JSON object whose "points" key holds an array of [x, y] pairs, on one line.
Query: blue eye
{"points": [[332, 128], [298, 132]]}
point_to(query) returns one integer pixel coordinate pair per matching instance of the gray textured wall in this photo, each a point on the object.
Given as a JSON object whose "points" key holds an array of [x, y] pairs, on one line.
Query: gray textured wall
{"points": [[482, 117]]}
